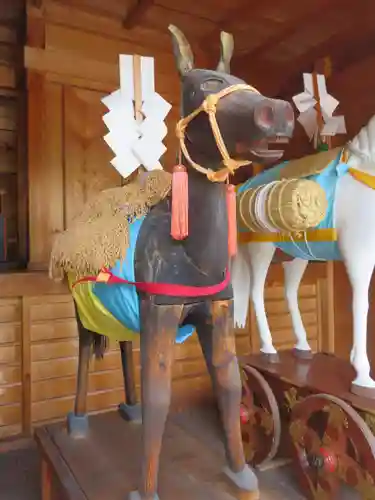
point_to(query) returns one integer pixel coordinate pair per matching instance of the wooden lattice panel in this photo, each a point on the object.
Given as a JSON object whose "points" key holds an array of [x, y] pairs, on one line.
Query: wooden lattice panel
{"points": [[54, 359], [10, 367]]}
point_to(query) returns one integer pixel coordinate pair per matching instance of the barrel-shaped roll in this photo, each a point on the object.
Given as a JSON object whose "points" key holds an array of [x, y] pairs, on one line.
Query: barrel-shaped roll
{"points": [[288, 205]]}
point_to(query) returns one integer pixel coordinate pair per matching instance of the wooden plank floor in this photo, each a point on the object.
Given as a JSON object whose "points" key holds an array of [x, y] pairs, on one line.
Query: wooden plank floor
{"points": [[107, 464]]}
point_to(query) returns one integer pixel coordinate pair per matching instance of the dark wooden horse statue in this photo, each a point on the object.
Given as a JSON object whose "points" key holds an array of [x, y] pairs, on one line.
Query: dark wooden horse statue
{"points": [[248, 122]]}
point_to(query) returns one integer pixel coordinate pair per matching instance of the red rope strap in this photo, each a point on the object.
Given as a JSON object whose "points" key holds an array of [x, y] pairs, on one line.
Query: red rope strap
{"points": [[167, 289]]}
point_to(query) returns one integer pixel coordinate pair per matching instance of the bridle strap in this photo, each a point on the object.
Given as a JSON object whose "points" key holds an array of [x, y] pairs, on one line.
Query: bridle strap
{"points": [[209, 106]]}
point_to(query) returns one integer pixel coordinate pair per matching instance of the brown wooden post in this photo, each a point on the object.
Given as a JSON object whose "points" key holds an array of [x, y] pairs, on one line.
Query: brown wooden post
{"points": [[46, 482], [321, 67]]}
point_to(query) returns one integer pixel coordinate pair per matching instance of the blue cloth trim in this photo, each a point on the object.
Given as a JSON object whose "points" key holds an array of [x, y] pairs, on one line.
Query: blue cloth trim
{"points": [[122, 300], [327, 179]]}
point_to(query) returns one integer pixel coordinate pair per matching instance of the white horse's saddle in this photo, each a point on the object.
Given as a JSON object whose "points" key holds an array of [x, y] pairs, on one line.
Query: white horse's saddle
{"points": [[308, 165]]}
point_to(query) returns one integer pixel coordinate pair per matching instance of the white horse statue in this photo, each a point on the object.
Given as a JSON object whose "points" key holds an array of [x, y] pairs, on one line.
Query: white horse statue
{"points": [[349, 182]]}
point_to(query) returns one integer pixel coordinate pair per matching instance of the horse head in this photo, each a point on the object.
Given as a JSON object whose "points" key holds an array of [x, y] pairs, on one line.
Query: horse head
{"points": [[247, 121], [361, 148]]}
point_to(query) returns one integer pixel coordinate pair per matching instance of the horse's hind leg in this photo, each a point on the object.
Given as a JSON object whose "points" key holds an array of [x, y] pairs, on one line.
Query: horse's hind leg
{"points": [[158, 331], [293, 272], [131, 409], [77, 420], [215, 330]]}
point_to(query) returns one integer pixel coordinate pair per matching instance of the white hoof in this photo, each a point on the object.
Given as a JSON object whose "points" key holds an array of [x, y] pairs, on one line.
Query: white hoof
{"points": [[364, 381], [302, 346], [245, 480], [268, 349]]}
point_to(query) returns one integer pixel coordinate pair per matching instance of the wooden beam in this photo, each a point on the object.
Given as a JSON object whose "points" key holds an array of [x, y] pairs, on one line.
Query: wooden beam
{"points": [[283, 79], [227, 23], [284, 73], [344, 56], [311, 14], [136, 12]]}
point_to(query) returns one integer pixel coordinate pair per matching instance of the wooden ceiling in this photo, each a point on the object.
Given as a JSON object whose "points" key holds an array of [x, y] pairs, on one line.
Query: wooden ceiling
{"points": [[275, 40]]}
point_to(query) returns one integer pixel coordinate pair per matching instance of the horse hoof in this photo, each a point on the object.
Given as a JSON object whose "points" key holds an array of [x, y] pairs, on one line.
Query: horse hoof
{"points": [[78, 425], [135, 495], [131, 413], [245, 480], [302, 354], [270, 357], [363, 392]]}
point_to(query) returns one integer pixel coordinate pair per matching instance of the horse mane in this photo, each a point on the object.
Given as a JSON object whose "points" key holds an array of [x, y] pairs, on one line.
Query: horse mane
{"points": [[363, 144]]}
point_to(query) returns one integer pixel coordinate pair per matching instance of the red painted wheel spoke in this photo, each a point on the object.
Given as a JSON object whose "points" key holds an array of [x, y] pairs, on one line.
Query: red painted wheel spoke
{"points": [[324, 459], [260, 418]]}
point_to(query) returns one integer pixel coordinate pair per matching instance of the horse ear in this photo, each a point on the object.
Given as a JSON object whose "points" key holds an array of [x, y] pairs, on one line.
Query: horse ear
{"points": [[226, 52], [182, 51]]}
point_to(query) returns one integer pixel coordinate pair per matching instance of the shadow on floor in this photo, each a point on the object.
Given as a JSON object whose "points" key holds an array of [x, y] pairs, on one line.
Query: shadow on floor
{"points": [[19, 474]]}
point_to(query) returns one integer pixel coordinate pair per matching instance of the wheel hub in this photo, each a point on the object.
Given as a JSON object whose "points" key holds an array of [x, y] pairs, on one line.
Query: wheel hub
{"points": [[244, 415], [324, 459]]}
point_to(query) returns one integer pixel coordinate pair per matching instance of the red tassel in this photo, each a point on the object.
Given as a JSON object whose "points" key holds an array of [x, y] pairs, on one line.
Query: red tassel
{"points": [[232, 220], [180, 203]]}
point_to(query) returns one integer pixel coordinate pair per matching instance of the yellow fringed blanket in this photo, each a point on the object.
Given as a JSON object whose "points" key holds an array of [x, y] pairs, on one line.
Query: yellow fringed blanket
{"points": [[99, 235]]}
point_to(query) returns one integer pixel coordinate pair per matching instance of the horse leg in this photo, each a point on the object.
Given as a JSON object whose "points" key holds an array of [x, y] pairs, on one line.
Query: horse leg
{"points": [[240, 273], [360, 269], [158, 331], [293, 272], [131, 409], [260, 257], [77, 421], [216, 336]]}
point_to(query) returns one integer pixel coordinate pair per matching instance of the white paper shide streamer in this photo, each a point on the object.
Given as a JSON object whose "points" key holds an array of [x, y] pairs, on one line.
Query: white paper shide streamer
{"points": [[305, 103], [136, 142]]}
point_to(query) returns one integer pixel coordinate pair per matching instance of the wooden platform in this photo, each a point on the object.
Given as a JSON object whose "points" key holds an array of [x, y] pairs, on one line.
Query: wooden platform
{"points": [[324, 373], [105, 466]]}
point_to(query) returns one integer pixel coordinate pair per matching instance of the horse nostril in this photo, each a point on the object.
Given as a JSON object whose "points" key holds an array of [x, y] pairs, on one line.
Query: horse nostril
{"points": [[264, 116]]}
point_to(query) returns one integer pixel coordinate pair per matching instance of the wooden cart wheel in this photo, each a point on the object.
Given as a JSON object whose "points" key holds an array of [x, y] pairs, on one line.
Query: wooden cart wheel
{"points": [[332, 443], [260, 418]]}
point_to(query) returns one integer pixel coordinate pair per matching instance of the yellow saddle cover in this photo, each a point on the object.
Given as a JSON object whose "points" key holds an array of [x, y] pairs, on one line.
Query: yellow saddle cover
{"points": [[308, 165]]}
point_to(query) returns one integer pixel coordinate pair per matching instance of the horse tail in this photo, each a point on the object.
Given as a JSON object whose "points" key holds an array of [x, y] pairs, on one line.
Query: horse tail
{"points": [[99, 343], [241, 286]]}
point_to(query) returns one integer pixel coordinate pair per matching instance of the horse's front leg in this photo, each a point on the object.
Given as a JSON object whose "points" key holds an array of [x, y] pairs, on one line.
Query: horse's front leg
{"points": [[216, 336], [158, 332]]}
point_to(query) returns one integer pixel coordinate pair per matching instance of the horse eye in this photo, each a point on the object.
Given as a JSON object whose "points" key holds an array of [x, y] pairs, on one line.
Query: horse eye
{"points": [[211, 85]]}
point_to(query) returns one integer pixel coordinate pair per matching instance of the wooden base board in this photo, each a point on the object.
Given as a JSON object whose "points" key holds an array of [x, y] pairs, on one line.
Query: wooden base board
{"points": [[323, 373], [106, 464]]}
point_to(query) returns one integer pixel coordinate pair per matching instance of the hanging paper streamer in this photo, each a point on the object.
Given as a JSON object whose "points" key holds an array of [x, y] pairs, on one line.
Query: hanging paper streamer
{"points": [[136, 117], [306, 102]]}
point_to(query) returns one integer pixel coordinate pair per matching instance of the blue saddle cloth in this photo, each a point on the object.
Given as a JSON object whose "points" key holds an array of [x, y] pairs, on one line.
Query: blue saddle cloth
{"points": [[121, 300]]}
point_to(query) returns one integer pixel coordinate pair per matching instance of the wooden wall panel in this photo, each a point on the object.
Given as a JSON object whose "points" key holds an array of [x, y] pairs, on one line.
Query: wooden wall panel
{"points": [[87, 157], [10, 367], [54, 350], [45, 166], [69, 71]]}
